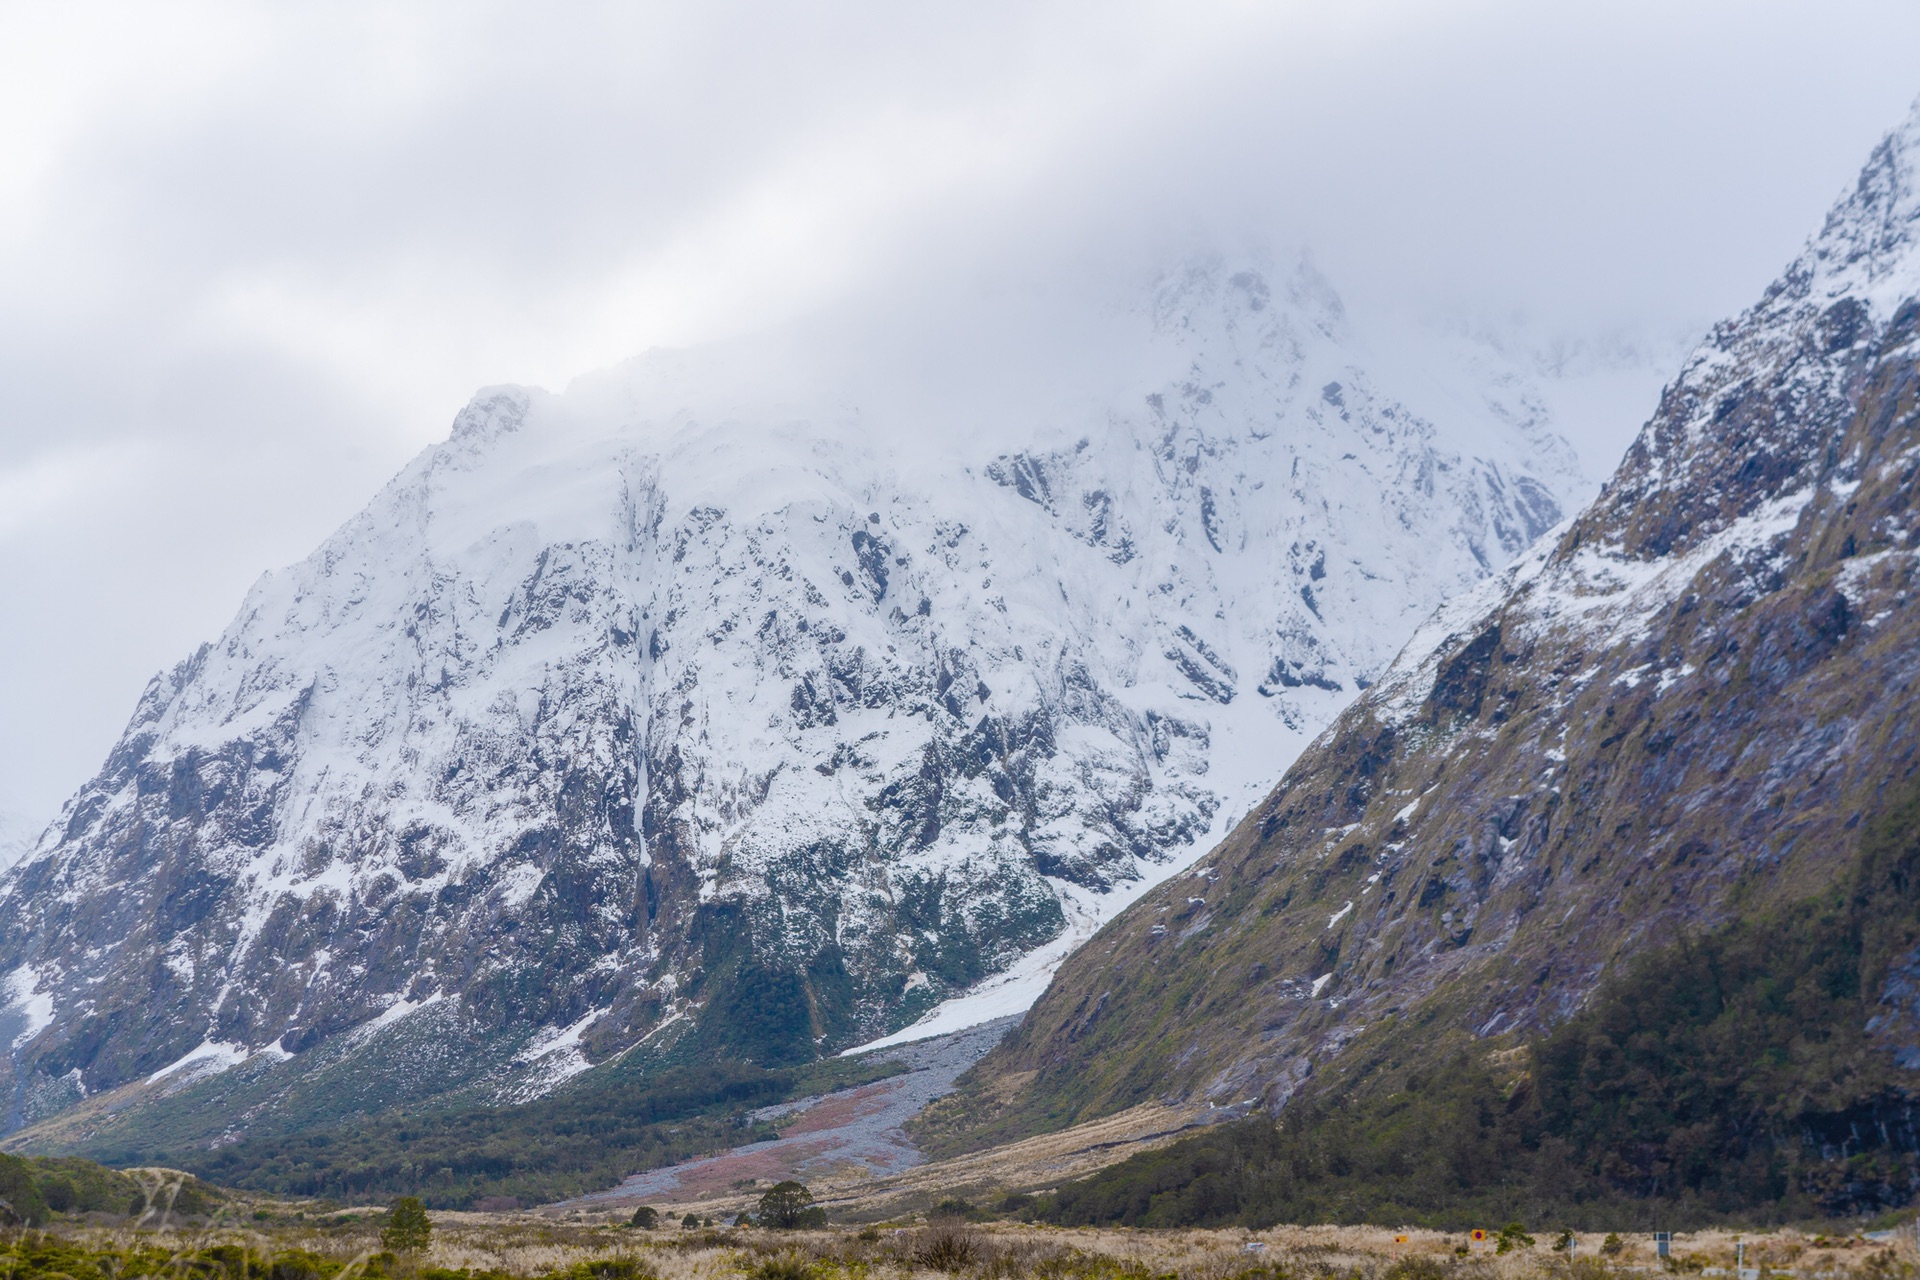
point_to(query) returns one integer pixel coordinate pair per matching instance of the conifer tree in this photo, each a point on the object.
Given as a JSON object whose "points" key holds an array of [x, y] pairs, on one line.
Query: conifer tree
{"points": [[408, 1229]]}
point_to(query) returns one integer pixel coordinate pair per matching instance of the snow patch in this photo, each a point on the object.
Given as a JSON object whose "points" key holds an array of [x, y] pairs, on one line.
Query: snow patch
{"points": [[393, 1013], [554, 1057], [210, 1058], [34, 1007]]}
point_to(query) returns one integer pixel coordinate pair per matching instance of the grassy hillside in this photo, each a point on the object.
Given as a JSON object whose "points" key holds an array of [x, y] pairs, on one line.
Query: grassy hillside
{"points": [[1739, 1074]]}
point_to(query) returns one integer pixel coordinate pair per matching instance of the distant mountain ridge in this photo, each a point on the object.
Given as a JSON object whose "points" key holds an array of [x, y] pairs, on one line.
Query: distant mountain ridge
{"points": [[668, 716], [1679, 710]]}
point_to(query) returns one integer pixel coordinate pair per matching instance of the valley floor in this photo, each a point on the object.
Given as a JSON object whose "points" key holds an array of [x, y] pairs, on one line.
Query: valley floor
{"points": [[854, 1135], [283, 1242], [852, 1150]]}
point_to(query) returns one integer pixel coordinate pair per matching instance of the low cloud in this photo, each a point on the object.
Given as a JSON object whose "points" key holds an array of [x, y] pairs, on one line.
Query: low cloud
{"points": [[252, 257]]}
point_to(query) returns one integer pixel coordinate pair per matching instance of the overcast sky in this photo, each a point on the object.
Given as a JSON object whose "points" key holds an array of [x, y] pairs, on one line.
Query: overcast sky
{"points": [[252, 257]]}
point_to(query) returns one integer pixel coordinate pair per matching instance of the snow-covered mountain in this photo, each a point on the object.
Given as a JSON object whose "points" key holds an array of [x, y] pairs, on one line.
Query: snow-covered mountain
{"points": [[1694, 704], [704, 706]]}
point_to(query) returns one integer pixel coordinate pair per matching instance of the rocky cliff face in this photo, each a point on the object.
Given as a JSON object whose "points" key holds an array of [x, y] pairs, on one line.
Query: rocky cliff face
{"points": [[635, 715], [1681, 705]]}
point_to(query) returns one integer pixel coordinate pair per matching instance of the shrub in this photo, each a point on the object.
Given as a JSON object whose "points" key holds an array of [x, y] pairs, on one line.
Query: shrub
{"points": [[611, 1269], [59, 1194], [298, 1264], [784, 1266], [20, 1200], [947, 1248], [646, 1217], [1422, 1267], [1612, 1245]]}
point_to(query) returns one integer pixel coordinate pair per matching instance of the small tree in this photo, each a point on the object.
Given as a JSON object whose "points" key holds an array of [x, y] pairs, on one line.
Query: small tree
{"points": [[408, 1229], [789, 1204], [1513, 1236], [646, 1217], [690, 1220], [1613, 1244]]}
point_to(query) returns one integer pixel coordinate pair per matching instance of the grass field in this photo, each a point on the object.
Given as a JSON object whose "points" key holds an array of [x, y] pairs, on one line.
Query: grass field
{"points": [[288, 1241]]}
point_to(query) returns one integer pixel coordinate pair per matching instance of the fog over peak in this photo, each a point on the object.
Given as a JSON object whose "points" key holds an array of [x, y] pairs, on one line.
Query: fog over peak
{"points": [[251, 259]]}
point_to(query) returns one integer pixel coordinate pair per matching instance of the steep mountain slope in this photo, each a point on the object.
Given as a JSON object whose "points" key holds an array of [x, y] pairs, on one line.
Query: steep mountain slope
{"points": [[1679, 709], [667, 712], [1736, 1074]]}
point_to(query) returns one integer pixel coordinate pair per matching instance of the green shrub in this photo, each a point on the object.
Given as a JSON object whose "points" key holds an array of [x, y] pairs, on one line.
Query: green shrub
{"points": [[298, 1264], [22, 1201], [785, 1266], [59, 1194], [621, 1268], [1422, 1266]]}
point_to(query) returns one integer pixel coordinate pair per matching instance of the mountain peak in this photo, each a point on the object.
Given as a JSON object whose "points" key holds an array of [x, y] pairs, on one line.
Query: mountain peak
{"points": [[696, 711], [1869, 247], [1689, 704], [1737, 429]]}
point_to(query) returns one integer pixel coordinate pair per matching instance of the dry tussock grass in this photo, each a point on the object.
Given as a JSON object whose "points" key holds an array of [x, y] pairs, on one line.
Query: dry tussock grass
{"points": [[533, 1245], [962, 1251]]}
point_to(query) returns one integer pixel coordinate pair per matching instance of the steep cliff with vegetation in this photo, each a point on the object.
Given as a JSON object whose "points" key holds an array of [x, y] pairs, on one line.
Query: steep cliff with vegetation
{"points": [[1738, 1073]]}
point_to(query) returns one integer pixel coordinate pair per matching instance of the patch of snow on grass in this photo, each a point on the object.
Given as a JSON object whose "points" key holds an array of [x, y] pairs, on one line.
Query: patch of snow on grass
{"points": [[555, 1057], [210, 1058], [393, 1013]]}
